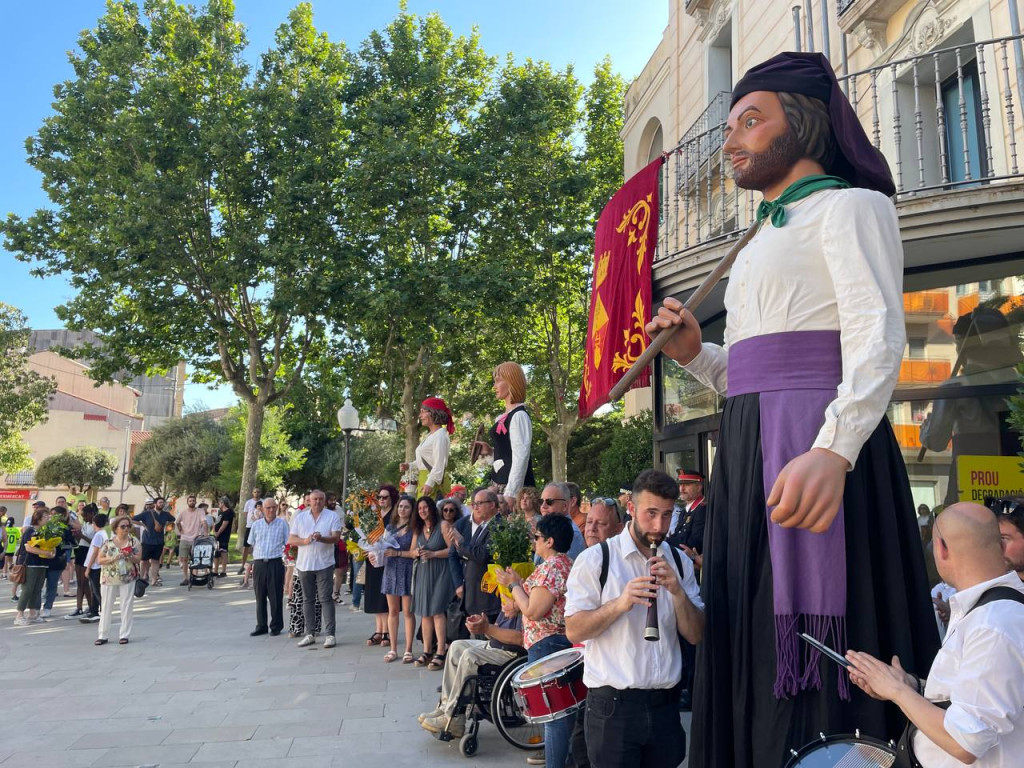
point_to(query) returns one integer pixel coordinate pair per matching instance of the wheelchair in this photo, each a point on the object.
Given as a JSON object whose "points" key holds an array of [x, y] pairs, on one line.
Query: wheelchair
{"points": [[488, 695]]}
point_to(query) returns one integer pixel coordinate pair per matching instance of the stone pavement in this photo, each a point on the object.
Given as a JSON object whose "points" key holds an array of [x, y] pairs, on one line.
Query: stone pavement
{"points": [[192, 688]]}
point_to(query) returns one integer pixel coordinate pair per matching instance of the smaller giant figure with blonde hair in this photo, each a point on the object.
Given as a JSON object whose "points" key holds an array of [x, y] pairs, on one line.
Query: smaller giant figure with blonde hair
{"points": [[511, 435]]}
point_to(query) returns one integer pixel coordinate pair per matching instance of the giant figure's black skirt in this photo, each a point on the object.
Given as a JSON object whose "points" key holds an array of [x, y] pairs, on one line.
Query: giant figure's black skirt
{"points": [[737, 721]]}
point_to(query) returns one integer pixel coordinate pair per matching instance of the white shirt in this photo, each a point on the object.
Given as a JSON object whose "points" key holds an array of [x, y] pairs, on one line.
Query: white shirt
{"points": [[520, 434], [646, 664], [433, 452], [316, 555], [837, 264], [980, 668], [92, 560], [250, 513]]}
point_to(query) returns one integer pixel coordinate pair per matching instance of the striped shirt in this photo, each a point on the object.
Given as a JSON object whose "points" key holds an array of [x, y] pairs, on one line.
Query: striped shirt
{"points": [[268, 539]]}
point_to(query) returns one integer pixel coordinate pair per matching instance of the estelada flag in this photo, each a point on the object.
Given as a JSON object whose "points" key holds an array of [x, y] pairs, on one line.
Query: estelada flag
{"points": [[620, 299]]}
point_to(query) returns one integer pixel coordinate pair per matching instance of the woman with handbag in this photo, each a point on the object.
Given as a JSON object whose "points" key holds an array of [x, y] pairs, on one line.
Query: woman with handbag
{"points": [[31, 566], [119, 569], [432, 585]]}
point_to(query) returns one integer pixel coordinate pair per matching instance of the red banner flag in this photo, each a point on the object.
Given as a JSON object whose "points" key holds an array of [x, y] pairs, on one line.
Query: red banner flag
{"points": [[620, 299]]}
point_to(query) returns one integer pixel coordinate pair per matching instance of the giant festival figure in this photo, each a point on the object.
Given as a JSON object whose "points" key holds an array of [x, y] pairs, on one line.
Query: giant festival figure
{"points": [[811, 522]]}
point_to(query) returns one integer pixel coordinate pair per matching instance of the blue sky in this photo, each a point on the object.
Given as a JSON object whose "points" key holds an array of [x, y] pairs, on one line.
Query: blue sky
{"points": [[35, 38]]}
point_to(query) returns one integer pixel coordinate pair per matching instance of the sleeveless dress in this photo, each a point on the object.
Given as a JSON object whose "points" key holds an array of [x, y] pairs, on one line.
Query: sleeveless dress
{"points": [[397, 578], [432, 584]]}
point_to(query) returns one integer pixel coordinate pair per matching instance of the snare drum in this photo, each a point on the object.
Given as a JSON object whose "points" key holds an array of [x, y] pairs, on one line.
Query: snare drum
{"points": [[842, 751], [551, 687]]}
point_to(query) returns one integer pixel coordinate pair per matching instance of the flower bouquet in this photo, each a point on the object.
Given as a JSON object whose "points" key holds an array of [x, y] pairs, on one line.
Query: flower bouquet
{"points": [[368, 534], [510, 547], [50, 535]]}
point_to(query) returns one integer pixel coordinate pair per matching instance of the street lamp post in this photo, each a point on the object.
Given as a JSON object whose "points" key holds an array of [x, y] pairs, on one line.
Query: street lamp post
{"points": [[348, 420]]}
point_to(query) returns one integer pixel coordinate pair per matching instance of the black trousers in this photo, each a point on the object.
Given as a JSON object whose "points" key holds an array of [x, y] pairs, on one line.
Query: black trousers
{"points": [[627, 729], [93, 595], [268, 582]]}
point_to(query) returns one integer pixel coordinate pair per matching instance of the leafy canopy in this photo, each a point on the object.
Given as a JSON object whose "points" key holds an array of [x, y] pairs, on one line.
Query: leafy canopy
{"points": [[24, 394], [84, 467]]}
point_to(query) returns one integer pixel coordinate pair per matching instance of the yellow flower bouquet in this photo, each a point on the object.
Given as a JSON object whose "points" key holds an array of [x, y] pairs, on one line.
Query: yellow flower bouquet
{"points": [[510, 547]]}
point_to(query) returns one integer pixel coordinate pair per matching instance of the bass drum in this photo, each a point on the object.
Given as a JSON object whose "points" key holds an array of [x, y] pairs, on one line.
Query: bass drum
{"points": [[844, 752]]}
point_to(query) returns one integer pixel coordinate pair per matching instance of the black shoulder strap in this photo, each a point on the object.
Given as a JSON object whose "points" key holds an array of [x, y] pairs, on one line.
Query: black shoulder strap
{"points": [[604, 564], [679, 563], [999, 593]]}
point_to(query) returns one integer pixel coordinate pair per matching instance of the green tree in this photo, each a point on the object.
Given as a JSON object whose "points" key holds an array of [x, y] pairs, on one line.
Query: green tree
{"points": [[195, 204], [628, 454], [24, 394], [276, 455], [87, 468], [182, 456], [414, 92], [550, 159]]}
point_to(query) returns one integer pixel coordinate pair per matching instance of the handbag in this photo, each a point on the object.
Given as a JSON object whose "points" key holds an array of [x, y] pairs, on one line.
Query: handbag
{"points": [[17, 574], [456, 620], [140, 587]]}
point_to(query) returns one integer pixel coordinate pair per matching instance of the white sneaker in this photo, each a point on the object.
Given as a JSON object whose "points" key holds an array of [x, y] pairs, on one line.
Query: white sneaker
{"points": [[428, 715], [537, 758], [46, 613], [307, 640], [329, 641], [21, 621]]}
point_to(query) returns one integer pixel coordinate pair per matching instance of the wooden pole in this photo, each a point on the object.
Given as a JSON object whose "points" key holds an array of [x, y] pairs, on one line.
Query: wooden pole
{"points": [[698, 296]]}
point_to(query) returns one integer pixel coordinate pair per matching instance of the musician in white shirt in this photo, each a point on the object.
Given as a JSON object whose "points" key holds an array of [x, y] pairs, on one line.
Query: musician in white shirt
{"points": [[980, 669], [632, 717]]}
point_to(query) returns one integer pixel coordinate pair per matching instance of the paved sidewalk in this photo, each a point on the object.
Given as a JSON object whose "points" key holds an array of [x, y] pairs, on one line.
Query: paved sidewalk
{"points": [[192, 688]]}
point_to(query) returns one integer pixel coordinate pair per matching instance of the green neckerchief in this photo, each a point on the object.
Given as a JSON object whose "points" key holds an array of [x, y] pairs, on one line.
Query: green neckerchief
{"points": [[798, 190]]}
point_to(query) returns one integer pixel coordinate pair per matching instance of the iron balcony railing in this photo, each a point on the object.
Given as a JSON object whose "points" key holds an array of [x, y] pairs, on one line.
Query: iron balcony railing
{"points": [[945, 120]]}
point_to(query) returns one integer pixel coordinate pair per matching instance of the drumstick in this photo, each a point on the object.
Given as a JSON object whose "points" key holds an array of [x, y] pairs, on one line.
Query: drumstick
{"points": [[698, 296]]}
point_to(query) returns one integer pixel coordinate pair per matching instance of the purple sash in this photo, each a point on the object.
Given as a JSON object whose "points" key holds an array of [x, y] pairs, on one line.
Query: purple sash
{"points": [[796, 375]]}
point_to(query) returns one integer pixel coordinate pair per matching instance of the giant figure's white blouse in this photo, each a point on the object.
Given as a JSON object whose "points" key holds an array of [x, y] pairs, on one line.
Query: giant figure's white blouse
{"points": [[836, 264]]}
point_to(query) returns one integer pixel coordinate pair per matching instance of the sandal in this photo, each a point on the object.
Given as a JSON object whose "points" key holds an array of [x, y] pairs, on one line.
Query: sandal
{"points": [[123, 641], [436, 663], [375, 639], [407, 658], [385, 640], [390, 656], [424, 659], [99, 642]]}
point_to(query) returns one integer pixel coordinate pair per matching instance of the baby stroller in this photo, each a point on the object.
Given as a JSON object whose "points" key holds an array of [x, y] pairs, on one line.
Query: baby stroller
{"points": [[200, 565]]}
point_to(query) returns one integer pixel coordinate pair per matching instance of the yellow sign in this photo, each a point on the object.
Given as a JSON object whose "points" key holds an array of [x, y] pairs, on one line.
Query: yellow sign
{"points": [[989, 476]]}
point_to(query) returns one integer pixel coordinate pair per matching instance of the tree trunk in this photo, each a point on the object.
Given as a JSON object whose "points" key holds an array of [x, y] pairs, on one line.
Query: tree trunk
{"points": [[250, 462], [558, 439], [410, 409]]}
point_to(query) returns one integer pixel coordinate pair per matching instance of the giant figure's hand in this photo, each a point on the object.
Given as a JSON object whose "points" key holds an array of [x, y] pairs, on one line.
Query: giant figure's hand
{"points": [[808, 491], [685, 343]]}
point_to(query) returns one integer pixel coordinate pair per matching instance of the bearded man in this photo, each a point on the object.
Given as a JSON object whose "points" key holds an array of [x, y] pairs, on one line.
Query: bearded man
{"points": [[811, 524]]}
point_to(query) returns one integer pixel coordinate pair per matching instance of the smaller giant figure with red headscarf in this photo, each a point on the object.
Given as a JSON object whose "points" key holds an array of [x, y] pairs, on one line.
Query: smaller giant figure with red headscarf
{"points": [[431, 462]]}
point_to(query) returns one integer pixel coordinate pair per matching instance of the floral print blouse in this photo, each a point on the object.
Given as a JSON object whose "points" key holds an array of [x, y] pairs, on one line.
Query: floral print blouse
{"points": [[553, 574], [121, 571]]}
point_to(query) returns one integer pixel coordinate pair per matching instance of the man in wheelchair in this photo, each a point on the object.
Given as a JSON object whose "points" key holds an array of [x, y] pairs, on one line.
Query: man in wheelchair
{"points": [[465, 657]]}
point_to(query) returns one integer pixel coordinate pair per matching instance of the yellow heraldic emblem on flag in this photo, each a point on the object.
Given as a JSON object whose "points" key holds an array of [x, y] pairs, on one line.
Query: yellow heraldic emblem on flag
{"points": [[620, 299]]}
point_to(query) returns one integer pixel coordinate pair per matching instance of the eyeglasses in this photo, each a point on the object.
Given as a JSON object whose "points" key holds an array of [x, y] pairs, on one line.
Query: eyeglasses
{"points": [[446, 510], [549, 502], [125, 526], [382, 497], [603, 500]]}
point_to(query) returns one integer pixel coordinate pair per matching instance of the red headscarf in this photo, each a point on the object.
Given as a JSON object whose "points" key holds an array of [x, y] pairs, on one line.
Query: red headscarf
{"points": [[437, 404]]}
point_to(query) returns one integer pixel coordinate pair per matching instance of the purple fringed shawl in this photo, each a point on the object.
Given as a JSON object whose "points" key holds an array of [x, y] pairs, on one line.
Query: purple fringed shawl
{"points": [[796, 375]]}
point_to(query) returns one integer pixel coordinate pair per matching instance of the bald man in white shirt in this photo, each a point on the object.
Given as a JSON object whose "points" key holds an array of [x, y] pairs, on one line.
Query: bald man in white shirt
{"points": [[978, 675]]}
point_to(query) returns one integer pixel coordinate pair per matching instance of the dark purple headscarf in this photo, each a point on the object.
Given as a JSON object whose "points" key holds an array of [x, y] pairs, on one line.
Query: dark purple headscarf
{"points": [[856, 159]]}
